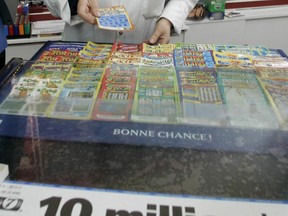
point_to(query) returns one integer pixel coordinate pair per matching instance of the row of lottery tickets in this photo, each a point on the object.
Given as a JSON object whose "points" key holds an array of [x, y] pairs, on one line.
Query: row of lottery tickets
{"points": [[221, 85]]}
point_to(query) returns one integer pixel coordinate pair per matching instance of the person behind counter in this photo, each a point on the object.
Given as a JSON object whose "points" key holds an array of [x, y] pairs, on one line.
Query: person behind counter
{"points": [[153, 19], [5, 18]]}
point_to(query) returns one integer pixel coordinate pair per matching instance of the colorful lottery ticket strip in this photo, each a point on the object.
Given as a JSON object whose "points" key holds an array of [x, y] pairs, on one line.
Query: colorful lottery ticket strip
{"points": [[36, 89], [184, 56], [244, 99], [80, 90], [157, 96], [200, 96], [116, 95], [272, 72], [274, 81]]}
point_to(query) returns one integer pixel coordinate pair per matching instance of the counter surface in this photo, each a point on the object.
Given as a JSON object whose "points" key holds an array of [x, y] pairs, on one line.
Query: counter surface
{"points": [[85, 158]]}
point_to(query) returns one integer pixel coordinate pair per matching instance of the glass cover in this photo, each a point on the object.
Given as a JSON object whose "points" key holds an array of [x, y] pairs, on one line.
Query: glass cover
{"points": [[192, 119]]}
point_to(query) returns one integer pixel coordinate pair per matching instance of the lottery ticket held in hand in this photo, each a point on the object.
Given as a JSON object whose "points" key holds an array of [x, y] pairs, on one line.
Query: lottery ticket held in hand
{"points": [[114, 18]]}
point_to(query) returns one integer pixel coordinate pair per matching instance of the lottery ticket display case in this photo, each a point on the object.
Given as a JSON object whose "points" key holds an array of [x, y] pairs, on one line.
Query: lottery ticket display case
{"points": [[178, 120]]}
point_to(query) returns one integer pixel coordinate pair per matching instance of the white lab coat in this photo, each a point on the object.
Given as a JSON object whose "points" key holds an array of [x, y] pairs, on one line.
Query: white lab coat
{"points": [[143, 13]]}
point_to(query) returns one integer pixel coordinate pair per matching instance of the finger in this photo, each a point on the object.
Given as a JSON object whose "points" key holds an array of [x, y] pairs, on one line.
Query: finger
{"points": [[84, 12], [192, 13], [198, 12], [163, 40], [155, 36], [95, 8], [88, 17]]}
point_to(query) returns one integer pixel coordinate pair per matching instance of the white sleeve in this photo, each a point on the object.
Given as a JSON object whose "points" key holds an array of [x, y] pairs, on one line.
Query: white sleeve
{"points": [[61, 8], [176, 11]]}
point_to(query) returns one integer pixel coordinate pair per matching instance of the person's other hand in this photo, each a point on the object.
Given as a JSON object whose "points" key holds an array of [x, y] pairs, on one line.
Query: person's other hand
{"points": [[162, 31], [88, 10]]}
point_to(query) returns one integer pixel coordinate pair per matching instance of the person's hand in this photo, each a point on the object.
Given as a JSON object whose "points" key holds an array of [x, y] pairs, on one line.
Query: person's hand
{"points": [[162, 31], [88, 10]]}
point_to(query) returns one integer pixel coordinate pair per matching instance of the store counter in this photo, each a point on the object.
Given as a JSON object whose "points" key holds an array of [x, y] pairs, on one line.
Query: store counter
{"points": [[148, 130]]}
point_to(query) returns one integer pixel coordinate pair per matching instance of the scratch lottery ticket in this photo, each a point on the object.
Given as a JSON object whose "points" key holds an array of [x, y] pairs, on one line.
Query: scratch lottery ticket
{"points": [[71, 46], [235, 75], [90, 63], [119, 76], [278, 62], [201, 93], [194, 47], [246, 104], [273, 73], [274, 82], [156, 98], [96, 46], [191, 58], [95, 51], [114, 102], [232, 59], [90, 55], [278, 97], [161, 48], [118, 79], [75, 101], [158, 71], [59, 55], [157, 55], [114, 18], [241, 91], [200, 97], [29, 100], [155, 108], [81, 79], [162, 62], [126, 48], [156, 83], [199, 86], [85, 73], [125, 54], [186, 46], [243, 49], [202, 104], [235, 69], [121, 71], [126, 61], [48, 71]]}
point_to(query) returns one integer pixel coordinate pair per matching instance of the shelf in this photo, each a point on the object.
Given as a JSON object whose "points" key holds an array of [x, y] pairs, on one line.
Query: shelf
{"points": [[34, 40]]}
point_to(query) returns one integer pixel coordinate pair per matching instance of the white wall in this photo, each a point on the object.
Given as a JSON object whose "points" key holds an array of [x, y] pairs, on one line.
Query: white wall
{"points": [[266, 27], [215, 32], [271, 32]]}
